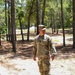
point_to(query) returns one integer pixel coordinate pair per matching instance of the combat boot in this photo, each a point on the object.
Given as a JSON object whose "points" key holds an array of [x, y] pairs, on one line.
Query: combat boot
{"points": [[46, 73]]}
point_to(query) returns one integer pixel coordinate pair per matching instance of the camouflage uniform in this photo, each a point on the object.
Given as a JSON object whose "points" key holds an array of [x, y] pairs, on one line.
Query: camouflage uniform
{"points": [[43, 47]]}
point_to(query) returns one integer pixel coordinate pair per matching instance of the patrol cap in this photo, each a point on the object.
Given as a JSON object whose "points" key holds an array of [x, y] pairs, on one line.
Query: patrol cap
{"points": [[42, 27]]}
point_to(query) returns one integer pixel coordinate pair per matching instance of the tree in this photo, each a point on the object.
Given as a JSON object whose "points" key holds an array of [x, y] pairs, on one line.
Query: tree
{"points": [[6, 12], [29, 16], [62, 22], [37, 14], [13, 25], [9, 21], [0, 39], [43, 11], [74, 24], [20, 16]]}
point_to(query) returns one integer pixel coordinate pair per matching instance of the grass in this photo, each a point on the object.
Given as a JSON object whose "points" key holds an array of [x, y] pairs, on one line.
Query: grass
{"points": [[56, 40]]}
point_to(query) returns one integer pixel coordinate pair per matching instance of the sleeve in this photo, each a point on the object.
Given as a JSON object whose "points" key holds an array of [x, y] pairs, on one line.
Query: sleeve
{"points": [[52, 47], [34, 48]]}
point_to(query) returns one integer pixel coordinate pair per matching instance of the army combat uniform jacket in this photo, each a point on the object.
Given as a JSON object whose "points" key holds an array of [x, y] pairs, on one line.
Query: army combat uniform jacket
{"points": [[43, 47]]}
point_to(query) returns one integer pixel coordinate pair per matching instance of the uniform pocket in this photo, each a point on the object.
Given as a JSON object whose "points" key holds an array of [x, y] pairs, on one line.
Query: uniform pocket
{"points": [[46, 65]]}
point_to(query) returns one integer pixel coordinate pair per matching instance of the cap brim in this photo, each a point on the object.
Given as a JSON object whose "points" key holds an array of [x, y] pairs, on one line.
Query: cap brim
{"points": [[44, 29]]}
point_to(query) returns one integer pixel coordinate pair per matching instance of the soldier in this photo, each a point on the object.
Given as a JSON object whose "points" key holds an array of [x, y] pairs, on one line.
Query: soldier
{"points": [[43, 47]]}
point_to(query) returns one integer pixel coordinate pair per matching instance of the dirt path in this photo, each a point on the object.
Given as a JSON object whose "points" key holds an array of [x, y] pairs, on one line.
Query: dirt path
{"points": [[19, 66]]}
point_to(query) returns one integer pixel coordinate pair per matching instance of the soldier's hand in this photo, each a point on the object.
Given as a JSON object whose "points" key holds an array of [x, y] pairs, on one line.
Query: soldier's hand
{"points": [[34, 58], [52, 57]]}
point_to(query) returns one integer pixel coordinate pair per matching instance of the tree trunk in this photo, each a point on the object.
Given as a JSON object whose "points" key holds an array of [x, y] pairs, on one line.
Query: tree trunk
{"points": [[51, 25], [54, 25], [0, 39], [6, 16], [13, 25], [43, 11], [21, 28], [74, 24], [9, 23], [62, 22], [28, 32], [37, 14], [30, 13], [5, 12], [52, 29]]}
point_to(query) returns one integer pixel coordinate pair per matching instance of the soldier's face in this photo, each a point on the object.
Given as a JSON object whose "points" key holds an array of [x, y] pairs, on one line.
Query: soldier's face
{"points": [[42, 32]]}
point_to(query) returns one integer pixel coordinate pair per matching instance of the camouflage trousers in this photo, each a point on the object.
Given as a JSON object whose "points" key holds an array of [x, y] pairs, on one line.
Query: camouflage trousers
{"points": [[44, 66]]}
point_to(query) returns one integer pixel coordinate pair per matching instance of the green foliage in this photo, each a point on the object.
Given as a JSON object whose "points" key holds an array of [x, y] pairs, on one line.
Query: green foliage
{"points": [[53, 10], [3, 29], [20, 4]]}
